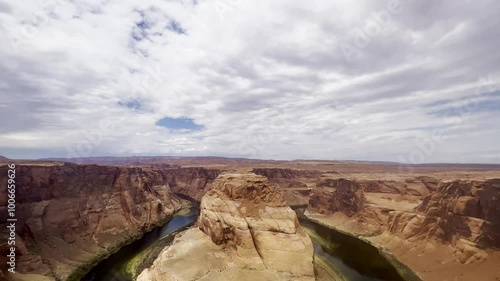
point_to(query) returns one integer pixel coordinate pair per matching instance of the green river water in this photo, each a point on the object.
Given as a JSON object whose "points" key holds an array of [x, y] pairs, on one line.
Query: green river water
{"points": [[352, 258]]}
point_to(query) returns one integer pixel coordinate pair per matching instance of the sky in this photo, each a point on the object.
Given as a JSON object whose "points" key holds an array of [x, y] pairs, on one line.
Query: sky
{"points": [[406, 81]]}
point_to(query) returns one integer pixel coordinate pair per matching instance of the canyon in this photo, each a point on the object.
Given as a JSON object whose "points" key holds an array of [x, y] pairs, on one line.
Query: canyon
{"points": [[443, 225], [71, 216], [246, 231], [442, 221]]}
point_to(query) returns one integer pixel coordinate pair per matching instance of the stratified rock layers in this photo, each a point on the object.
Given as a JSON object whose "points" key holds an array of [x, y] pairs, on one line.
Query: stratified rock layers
{"points": [[70, 216], [463, 214], [244, 212], [246, 232], [345, 197]]}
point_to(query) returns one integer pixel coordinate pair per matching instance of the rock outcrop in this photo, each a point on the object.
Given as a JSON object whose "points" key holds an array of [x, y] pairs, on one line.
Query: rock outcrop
{"points": [[193, 256], [70, 216], [464, 214], [246, 214], [338, 195], [245, 231]]}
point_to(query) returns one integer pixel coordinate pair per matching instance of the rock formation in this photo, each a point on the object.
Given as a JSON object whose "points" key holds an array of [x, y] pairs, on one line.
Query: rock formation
{"points": [[253, 235], [191, 182], [458, 217], [419, 186], [465, 214], [288, 178], [70, 216], [341, 195], [244, 212], [294, 185]]}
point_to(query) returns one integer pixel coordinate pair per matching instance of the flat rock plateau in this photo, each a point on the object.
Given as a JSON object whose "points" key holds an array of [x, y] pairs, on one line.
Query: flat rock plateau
{"points": [[441, 220]]}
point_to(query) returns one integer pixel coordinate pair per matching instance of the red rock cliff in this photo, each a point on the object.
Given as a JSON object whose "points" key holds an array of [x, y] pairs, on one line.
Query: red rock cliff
{"points": [[70, 216], [462, 213]]}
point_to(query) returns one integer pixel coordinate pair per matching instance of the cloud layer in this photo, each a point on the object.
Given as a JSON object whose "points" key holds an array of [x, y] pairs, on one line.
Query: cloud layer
{"points": [[406, 81]]}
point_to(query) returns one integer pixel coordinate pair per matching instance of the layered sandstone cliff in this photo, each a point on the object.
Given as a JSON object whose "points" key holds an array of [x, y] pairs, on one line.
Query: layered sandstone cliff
{"points": [[191, 182], [247, 233], [339, 195], [288, 178], [462, 213], [70, 216], [450, 209], [244, 212], [421, 215], [294, 185]]}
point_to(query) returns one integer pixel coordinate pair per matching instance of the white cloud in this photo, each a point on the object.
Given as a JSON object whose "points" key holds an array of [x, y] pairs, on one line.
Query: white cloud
{"points": [[266, 79]]}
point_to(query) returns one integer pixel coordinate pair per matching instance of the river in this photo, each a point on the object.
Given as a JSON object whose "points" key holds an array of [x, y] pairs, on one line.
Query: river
{"points": [[114, 268], [353, 258]]}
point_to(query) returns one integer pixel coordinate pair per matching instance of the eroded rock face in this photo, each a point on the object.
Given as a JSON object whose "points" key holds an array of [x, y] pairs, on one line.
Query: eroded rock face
{"points": [[463, 204], [192, 182], [287, 178], [465, 214], [338, 195], [250, 218], [69, 215], [294, 185]]}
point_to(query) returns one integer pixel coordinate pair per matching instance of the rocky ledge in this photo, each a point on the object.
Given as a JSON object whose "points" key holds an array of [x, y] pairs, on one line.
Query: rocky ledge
{"points": [[246, 231]]}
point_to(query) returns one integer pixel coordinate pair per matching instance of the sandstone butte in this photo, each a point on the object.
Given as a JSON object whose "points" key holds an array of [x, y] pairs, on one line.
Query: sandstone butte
{"points": [[245, 231]]}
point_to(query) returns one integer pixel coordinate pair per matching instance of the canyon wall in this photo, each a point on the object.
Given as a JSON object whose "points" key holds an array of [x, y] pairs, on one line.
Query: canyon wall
{"points": [[463, 214], [70, 216], [191, 182], [339, 195], [288, 178], [294, 185]]}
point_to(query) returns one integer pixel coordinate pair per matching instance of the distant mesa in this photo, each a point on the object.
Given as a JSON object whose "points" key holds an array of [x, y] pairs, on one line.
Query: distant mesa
{"points": [[3, 158]]}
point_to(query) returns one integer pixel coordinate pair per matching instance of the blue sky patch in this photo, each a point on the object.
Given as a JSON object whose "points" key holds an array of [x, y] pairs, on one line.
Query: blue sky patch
{"points": [[182, 123], [139, 32], [469, 104], [176, 27]]}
